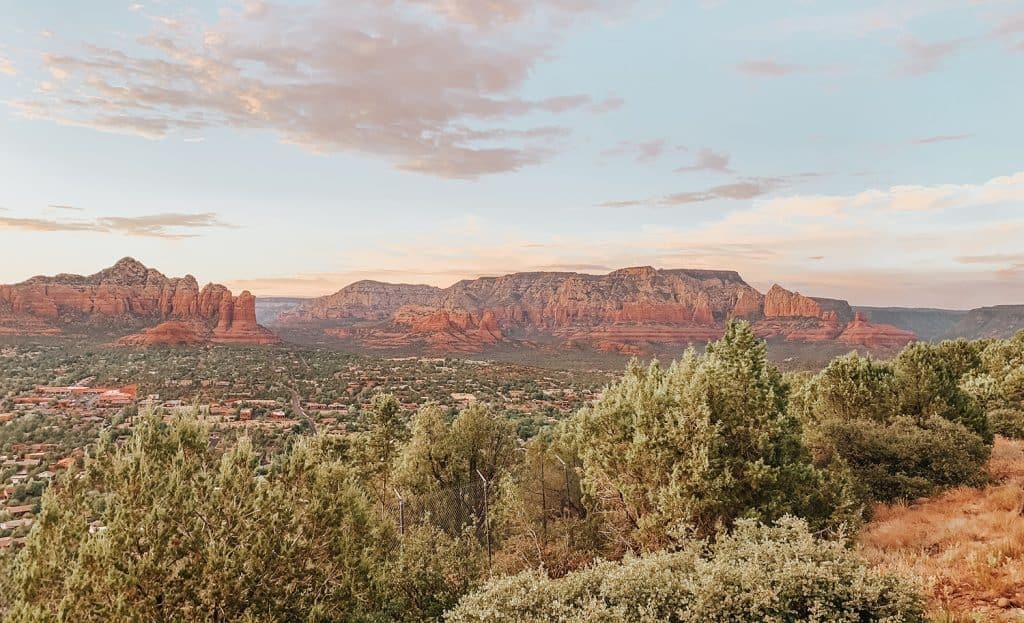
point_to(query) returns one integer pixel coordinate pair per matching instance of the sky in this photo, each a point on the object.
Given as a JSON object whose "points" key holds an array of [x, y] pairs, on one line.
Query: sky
{"points": [[872, 151]]}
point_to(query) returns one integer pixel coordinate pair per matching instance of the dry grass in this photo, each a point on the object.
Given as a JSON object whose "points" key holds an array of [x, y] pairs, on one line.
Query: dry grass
{"points": [[965, 547]]}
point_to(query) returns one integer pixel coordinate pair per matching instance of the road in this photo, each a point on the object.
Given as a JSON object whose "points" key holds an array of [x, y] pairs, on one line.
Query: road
{"points": [[297, 408]]}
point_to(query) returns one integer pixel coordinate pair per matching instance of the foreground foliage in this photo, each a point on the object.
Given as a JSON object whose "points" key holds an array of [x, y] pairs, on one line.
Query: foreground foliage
{"points": [[169, 529], [903, 429], [699, 445], [756, 573]]}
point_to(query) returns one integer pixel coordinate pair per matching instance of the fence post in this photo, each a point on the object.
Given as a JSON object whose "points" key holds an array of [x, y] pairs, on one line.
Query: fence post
{"points": [[543, 498], [487, 521], [568, 491], [401, 512]]}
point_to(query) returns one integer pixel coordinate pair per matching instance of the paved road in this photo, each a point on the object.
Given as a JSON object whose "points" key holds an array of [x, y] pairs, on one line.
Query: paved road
{"points": [[297, 408]]}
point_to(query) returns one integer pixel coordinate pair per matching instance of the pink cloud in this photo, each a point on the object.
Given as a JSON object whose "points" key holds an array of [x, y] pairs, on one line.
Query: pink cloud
{"points": [[769, 68], [400, 80], [709, 160], [924, 58]]}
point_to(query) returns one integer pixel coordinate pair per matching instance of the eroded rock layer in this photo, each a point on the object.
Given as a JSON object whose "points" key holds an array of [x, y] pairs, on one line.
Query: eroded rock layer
{"points": [[128, 295], [632, 310]]}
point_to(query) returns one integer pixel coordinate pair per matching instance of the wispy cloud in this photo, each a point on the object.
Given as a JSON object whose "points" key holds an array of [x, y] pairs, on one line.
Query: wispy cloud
{"points": [[642, 151], [168, 225], [926, 57], [709, 160], [62, 206], [323, 76], [865, 246], [744, 188], [942, 138], [7, 67]]}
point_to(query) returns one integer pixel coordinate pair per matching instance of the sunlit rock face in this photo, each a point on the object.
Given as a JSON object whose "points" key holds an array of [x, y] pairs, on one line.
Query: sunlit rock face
{"points": [[630, 311], [129, 295]]}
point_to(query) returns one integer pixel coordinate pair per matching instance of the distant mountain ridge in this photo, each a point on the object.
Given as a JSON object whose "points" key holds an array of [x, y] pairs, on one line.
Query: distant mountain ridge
{"points": [[1000, 321], [630, 310], [130, 296]]}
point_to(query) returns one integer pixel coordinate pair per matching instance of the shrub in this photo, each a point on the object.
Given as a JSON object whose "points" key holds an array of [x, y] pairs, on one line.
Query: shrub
{"points": [[905, 458], [928, 378], [699, 445], [757, 573], [169, 528], [1007, 422]]}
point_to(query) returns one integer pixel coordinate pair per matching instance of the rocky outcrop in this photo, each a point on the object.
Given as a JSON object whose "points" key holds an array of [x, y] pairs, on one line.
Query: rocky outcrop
{"points": [[861, 332], [128, 295], [781, 303], [632, 310], [170, 333], [237, 323], [363, 300]]}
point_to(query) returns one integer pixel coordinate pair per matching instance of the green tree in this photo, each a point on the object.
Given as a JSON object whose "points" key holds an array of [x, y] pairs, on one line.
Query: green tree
{"points": [[167, 529], [700, 445], [853, 387], [928, 378], [386, 430]]}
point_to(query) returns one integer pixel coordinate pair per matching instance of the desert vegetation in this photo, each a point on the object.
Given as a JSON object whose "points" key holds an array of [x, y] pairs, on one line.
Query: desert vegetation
{"points": [[714, 488]]}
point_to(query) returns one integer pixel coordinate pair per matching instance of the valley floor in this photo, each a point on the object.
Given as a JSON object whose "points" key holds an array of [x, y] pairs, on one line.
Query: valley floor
{"points": [[965, 547]]}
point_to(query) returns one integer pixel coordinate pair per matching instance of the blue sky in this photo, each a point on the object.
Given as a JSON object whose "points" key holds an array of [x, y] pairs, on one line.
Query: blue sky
{"points": [[870, 151]]}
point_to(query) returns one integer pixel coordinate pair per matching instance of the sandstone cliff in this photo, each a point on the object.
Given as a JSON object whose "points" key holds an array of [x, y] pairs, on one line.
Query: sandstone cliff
{"points": [[128, 295], [632, 310]]}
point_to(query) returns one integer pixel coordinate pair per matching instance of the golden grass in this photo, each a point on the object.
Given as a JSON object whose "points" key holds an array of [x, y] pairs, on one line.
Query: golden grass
{"points": [[965, 547]]}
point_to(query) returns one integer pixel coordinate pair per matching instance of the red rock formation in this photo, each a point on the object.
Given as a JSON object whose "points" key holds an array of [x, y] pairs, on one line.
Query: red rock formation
{"points": [[126, 295], [170, 333], [237, 323], [781, 303], [861, 332], [631, 310]]}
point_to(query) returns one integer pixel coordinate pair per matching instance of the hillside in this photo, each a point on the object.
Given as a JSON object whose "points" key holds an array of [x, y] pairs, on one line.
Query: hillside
{"points": [[966, 546], [928, 324], [1000, 321]]}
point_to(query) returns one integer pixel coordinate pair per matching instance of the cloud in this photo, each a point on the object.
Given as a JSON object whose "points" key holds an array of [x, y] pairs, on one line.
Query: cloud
{"points": [[862, 246], [770, 69], [168, 225], [1010, 28], [7, 68], [743, 188], [60, 206], [409, 81], [709, 160], [45, 225], [642, 151], [924, 58], [942, 138]]}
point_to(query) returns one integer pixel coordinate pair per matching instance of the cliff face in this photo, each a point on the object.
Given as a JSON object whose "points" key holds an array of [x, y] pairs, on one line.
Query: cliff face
{"points": [[630, 311], [125, 296], [363, 300]]}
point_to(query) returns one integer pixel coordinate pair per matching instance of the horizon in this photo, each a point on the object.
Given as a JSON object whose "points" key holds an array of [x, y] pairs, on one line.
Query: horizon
{"points": [[867, 152]]}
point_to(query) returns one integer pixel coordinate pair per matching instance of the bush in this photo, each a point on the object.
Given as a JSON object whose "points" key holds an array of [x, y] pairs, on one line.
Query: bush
{"points": [[1007, 422], [758, 573], [905, 458], [169, 528], [700, 445]]}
